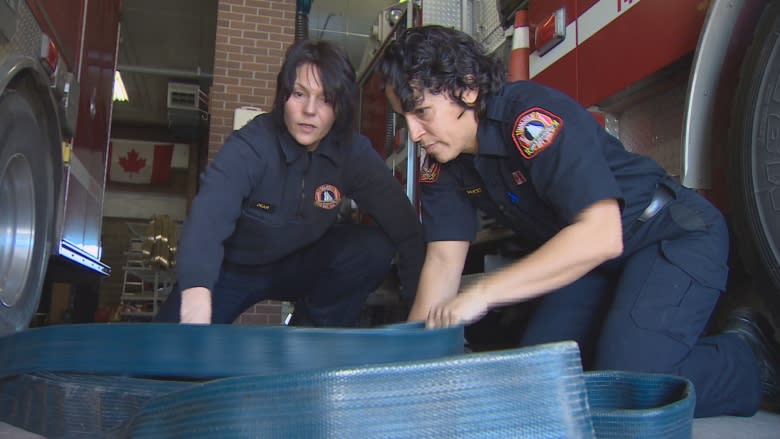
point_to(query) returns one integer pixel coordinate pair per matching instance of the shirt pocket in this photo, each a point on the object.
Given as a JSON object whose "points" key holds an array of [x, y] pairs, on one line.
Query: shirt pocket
{"points": [[529, 213]]}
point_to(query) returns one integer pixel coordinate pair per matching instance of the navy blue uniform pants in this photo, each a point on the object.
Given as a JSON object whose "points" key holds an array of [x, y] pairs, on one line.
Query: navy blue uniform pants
{"points": [[647, 311], [329, 280]]}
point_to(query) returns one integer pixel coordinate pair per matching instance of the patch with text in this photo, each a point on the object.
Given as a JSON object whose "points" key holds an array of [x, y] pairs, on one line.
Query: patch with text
{"points": [[535, 130], [474, 191], [327, 196]]}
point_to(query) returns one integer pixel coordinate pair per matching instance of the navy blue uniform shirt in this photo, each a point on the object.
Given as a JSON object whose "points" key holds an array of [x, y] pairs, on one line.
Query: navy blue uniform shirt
{"points": [[264, 196], [542, 160]]}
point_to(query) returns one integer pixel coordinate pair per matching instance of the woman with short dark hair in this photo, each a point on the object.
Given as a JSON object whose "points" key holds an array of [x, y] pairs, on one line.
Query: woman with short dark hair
{"points": [[264, 222]]}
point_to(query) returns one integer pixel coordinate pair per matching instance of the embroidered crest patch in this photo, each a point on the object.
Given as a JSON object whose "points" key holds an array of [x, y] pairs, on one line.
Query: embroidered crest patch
{"points": [[429, 175], [327, 196], [429, 169], [535, 130]]}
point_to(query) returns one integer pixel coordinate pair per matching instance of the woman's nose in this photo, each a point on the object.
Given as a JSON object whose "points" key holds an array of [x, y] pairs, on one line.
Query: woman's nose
{"points": [[415, 129]]}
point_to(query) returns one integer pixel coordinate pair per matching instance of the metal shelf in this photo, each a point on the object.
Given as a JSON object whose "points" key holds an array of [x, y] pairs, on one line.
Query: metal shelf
{"points": [[145, 285]]}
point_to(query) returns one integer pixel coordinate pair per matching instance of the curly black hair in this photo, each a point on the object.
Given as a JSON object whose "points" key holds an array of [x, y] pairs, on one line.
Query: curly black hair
{"points": [[440, 60], [338, 81]]}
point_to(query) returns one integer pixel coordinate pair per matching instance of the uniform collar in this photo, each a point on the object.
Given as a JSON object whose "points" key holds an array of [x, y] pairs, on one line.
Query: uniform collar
{"points": [[328, 148], [496, 106], [490, 132]]}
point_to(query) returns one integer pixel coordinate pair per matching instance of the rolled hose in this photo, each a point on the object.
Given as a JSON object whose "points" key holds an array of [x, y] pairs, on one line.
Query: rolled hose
{"points": [[219, 381]]}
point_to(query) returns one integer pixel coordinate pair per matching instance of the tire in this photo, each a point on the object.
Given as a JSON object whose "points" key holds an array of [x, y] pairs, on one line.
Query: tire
{"points": [[27, 203], [755, 158]]}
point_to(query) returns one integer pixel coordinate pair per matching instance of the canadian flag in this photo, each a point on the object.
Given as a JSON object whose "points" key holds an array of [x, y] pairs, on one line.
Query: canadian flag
{"points": [[139, 162]]}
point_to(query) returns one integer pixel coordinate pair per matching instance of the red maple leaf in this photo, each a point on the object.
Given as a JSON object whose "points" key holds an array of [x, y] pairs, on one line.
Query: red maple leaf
{"points": [[132, 163]]}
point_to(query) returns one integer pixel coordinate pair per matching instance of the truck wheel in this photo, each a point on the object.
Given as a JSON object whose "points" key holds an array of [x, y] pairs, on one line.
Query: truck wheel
{"points": [[755, 157], [27, 206]]}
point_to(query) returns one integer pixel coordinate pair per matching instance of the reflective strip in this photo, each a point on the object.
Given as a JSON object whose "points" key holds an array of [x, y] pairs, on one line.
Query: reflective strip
{"points": [[521, 38], [599, 16], [521, 43]]}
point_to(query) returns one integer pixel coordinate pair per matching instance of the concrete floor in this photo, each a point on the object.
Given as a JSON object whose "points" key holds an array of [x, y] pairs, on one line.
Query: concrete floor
{"points": [[763, 425], [10, 432]]}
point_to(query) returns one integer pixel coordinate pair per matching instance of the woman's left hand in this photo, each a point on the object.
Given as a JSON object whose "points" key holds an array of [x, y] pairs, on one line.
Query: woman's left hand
{"points": [[467, 307]]}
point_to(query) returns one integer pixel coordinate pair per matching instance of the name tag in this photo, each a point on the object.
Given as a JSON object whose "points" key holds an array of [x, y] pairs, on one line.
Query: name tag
{"points": [[474, 191], [264, 206]]}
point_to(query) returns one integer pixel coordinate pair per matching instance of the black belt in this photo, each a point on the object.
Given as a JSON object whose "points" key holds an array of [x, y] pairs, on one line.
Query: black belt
{"points": [[661, 197]]}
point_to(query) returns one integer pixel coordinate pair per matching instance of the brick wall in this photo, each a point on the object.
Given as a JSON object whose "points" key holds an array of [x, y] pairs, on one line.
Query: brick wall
{"points": [[252, 36]]}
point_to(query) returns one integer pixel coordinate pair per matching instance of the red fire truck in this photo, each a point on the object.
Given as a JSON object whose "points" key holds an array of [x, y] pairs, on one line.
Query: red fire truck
{"points": [[57, 63], [693, 83]]}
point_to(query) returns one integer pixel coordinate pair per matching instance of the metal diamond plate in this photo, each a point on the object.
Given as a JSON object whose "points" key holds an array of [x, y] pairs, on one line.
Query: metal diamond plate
{"points": [[25, 41], [487, 25], [481, 19], [448, 13]]}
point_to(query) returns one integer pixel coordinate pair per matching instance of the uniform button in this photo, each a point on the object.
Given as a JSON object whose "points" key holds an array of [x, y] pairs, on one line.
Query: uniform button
{"points": [[501, 208]]}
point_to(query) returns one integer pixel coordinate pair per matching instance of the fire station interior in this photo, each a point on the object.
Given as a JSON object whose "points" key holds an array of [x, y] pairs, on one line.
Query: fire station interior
{"points": [[170, 101], [166, 61], [169, 57]]}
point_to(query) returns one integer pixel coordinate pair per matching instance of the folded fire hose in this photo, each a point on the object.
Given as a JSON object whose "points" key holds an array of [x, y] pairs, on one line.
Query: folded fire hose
{"points": [[399, 381]]}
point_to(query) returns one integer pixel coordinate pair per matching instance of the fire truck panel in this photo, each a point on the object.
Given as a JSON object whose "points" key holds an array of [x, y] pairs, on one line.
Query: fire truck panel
{"points": [[57, 61], [59, 19], [86, 179], [620, 43]]}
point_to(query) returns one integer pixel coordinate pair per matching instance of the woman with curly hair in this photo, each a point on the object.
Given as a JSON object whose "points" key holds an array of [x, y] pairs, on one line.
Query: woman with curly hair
{"points": [[626, 261]]}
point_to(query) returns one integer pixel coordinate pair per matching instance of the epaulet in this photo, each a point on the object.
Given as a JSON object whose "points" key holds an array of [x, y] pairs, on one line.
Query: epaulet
{"points": [[496, 108]]}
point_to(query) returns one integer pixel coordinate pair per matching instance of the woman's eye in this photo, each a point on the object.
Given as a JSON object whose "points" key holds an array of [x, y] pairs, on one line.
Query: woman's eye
{"points": [[297, 94]]}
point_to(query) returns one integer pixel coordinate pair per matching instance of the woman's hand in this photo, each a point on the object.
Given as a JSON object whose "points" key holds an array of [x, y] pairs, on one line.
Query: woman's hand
{"points": [[465, 308], [196, 306]]}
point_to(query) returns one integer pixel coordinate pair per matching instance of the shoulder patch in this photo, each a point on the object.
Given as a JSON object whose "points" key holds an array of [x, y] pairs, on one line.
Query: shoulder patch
{"points": [[429, 174], [535, 130], [429, 169]]}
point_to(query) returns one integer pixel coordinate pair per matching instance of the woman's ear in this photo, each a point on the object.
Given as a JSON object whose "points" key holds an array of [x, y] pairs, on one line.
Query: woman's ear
{"points": [[470, 96], [471, 92]]}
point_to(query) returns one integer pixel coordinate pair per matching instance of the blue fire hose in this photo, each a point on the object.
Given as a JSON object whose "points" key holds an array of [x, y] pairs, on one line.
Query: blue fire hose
{"points": [[400, 381]]}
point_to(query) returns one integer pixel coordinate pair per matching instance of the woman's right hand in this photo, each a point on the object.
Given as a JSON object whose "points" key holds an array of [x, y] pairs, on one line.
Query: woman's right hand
{"points": [[196, 306]]}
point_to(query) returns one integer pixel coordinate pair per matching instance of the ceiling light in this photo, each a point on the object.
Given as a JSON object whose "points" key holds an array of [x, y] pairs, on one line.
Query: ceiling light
{"points": [[120, 94]]}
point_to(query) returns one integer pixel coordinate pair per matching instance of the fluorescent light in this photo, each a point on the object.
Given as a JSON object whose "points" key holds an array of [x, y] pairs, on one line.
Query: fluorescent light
{"points": [[120, 94]]}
